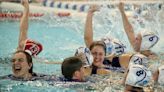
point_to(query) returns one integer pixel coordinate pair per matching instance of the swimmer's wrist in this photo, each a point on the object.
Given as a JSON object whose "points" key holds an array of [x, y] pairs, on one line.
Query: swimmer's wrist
{"points": [[121, 10], [26, 6], [90, 11]]}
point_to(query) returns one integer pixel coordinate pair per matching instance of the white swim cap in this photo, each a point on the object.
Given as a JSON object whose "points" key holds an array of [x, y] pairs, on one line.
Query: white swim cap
{"points": [[149, 39], [161, 75], [113, 46], [87, 54], [139, 59], [29, 52], [138, 76]]}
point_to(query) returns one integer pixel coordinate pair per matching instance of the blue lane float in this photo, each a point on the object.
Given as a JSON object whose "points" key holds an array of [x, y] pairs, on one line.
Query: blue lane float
{"points": [[66, 5]]}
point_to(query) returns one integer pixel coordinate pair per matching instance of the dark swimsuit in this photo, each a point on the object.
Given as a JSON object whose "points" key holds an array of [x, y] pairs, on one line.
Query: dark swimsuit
{"points": [[94, 69], [114, 65], [63, 79], [115, 62], [34, 77]]}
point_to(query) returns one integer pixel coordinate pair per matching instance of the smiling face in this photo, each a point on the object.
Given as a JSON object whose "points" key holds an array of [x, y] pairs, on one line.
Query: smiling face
{"points": [[98, 55], [20, 66]]}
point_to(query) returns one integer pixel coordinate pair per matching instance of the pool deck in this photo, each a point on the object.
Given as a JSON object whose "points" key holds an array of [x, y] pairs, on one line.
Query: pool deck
{"points": [[39, 8]]}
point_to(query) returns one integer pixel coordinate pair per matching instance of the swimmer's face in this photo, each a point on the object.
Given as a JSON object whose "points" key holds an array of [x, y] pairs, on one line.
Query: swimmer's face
{"points": [[98, 55], [79, 74], [138, 42], [20, 66]]}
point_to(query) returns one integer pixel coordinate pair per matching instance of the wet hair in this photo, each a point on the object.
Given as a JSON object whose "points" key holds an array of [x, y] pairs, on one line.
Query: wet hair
{"points": [[98, 43], [134, 89], [70, 65], [29, 59]]}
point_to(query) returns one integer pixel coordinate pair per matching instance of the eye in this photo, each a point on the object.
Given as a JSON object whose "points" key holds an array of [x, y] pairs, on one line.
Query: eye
{"points": [[93, 53], [20, 60], [100, 54]]}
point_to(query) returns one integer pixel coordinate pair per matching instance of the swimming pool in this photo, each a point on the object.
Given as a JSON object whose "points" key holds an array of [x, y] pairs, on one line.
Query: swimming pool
{"points": [[60, 37]]}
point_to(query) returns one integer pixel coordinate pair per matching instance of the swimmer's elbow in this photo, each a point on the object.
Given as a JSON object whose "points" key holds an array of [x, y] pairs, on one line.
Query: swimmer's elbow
{"points": [[88, 41], [21, 45]]}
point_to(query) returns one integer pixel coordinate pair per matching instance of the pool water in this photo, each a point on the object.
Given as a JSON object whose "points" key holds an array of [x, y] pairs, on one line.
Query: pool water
{"points": [[60, 40], [60, 37]]}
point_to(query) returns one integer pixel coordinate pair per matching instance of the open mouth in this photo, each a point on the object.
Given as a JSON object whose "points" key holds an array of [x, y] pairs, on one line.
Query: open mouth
{"points": [[17, 68]]}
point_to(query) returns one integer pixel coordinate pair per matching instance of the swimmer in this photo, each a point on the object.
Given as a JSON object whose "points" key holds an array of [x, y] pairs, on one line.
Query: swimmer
{"points": [[85, 55], [73, 70], [137, 77], [144, 40], [22, 65], [102, 55]]}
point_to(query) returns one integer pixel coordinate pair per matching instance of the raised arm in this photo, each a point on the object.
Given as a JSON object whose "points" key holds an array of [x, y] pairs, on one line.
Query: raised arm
{"points": [[127, 26], [88, 34], [23, 25]]}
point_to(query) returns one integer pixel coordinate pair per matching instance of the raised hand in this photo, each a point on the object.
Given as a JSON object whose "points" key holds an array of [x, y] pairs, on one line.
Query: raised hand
{"points": [[121, 6], [25, 3], [94, 8]]}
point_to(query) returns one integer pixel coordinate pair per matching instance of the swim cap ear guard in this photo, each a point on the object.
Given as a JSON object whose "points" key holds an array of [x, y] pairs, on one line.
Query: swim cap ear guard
{"points": [[161, 75], [33, 47], [149, 39], [138, 76], [139, 59], [87, 53], [114, 46]]}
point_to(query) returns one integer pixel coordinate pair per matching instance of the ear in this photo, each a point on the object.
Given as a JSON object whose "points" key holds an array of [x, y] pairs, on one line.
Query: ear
{"points": [[30, 65], [76, 74]]}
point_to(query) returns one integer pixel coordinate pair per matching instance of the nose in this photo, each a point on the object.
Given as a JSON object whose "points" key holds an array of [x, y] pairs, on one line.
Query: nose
{"points": [[97, 56]]}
